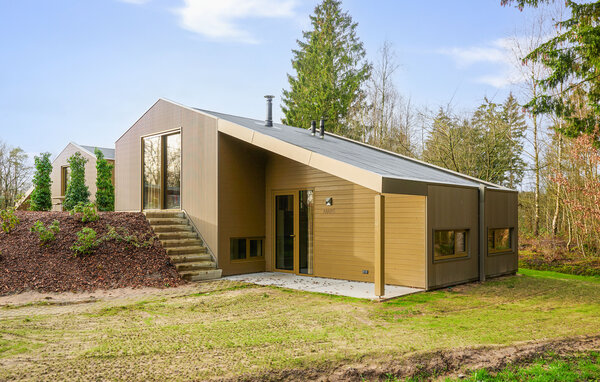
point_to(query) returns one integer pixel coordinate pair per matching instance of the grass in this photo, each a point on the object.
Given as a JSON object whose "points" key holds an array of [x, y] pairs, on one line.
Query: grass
{"points": [[233, 329]]}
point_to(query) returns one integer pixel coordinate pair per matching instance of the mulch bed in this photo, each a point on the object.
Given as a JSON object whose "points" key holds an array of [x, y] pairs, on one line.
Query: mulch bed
{"points": [[27, 265]]}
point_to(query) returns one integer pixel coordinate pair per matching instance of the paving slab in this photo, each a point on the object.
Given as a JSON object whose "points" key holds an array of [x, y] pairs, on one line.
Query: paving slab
{"points": [[347, 288]]}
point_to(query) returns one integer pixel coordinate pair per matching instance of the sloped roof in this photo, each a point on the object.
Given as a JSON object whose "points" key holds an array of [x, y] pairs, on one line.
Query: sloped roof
{"points": [[108, 153], [384, 163]]}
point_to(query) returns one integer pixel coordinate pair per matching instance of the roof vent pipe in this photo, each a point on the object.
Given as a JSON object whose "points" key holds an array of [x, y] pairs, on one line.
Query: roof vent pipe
{"points": [[269, 120], [313, 128], [322, 128]]}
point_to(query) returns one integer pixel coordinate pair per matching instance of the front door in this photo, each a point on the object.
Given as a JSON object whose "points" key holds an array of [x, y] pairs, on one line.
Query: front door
{"points": [[161, 171], [293, 231]]}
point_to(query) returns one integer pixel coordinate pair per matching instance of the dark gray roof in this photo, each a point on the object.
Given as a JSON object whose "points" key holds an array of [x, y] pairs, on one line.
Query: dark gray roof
{"points": [[384, 163], [108, 153]]}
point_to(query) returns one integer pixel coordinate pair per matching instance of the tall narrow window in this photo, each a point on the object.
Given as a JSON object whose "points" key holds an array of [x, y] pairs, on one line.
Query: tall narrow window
{"points": [[162, 171], [152, 172], [305, 232], [65, 176]]}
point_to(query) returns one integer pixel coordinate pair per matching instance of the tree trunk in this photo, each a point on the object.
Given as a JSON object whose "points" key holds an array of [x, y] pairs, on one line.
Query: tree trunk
{"points": [[558, 189]]}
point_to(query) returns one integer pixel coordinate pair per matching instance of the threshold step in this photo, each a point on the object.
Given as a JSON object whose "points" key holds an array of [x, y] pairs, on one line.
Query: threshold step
{"points": [[201, 275]]}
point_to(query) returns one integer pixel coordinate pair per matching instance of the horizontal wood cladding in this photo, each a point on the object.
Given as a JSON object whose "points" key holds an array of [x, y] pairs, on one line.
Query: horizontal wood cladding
{"points": [[344, 232], [241, 201], [56, 174], [405, 219], [198, 164]]}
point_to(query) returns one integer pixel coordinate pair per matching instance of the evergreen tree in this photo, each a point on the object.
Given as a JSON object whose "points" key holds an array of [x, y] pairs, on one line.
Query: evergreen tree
{"points": [[77, 191], [514, 118], [330, 68], [105, 191], [41, 196]]}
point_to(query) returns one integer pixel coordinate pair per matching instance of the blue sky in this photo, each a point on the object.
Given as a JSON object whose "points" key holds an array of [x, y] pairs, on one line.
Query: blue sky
{"points": [[85, 71]]}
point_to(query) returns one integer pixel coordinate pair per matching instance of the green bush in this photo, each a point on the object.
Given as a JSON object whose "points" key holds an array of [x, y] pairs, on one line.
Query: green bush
{"points": [[46, 234], [86, 242], [41, 197], [113, 234], [105, 194], [9, 219], [77, 191], [87, 210]]}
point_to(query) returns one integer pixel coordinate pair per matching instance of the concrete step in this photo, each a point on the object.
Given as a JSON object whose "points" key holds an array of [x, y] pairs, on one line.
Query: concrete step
{"points": [[167, 221], [172, 228], [164, 214], [181, 243], [199, 275], [177, 235], [196, 249], [200, 265], [190, 258]]}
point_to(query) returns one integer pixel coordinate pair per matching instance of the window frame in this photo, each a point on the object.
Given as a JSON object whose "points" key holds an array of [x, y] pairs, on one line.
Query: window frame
{"points": [[454, 256], [261, 257], [493, 252], [64, 174]]}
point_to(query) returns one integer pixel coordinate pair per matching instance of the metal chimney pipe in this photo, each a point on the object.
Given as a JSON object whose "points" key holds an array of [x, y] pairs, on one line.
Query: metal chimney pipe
{"points": [[269, 120], [322, 128], [313, 128]]}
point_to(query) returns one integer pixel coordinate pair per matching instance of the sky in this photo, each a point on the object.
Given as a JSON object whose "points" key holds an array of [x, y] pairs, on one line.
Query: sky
{"points": [[85, 71]]}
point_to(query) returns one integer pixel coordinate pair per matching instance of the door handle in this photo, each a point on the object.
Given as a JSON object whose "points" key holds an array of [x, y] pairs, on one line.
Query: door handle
{"points": [[292, 235]]}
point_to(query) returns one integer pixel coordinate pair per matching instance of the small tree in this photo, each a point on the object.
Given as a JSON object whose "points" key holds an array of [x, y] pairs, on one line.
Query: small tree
{"points": [[105, 190], [77, 191], [41, 196]]}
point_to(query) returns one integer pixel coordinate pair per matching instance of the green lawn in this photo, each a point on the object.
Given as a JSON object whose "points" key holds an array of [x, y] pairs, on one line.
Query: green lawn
{"points": [[227, 329]]}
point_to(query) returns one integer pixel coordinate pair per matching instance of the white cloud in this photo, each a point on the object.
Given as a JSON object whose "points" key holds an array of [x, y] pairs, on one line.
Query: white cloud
{"points": [[220, 19], [498, 55]]}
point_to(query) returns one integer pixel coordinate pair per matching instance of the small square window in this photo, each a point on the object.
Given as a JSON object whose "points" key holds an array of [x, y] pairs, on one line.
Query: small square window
{"points": [[449, 244], [499, 240], [238, 249], [256, 248]]}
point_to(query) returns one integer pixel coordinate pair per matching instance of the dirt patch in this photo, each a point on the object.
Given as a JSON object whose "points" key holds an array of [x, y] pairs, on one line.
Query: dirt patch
{"points": [[431, 365], [25, 265]]}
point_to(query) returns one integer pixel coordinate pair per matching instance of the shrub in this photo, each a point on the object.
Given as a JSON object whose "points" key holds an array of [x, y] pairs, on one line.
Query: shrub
{"points": [[9, 219], [105, 194], [41, 197], [86, 242], [77, 191], [87, 210], [113, 234], [46, 234]]}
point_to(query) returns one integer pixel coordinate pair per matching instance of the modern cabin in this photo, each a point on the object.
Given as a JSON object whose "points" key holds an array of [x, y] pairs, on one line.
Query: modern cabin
{"points": [[269, 197]]}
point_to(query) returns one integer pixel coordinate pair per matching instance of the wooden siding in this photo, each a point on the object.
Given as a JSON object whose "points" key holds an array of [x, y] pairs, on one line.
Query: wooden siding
{"points": [[344, 232], [405, 219], [56, 174], [501, 211], [241, 201], [451, 208], [198, 164]]}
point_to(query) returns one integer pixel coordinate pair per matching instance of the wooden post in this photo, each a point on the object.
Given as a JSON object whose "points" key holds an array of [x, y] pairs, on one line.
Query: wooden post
{"points": [[379, 258], [482, 233]]}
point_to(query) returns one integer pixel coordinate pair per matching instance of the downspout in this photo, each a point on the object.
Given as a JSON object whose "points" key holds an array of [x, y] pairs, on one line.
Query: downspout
{"points": [[482, 233]]}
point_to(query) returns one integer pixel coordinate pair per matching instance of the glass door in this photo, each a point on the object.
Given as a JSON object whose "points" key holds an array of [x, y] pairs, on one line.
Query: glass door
{"points": [[284, 232], [161, 171], [305, 232]]}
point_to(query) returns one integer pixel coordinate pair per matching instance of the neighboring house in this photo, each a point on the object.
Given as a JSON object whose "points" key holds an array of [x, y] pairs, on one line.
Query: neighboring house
{"points": [[60, 171], [270, 197]]}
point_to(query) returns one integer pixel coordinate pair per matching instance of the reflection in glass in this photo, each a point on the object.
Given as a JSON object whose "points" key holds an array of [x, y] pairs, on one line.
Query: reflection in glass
{"points": [[284, 232], [305, 231], [151, 172], [499, 240], [173, 171], [237, 249]]}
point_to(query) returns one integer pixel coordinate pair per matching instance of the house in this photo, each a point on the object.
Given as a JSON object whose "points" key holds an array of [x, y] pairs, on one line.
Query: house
{"points": [[270, 197], [60, 171]]}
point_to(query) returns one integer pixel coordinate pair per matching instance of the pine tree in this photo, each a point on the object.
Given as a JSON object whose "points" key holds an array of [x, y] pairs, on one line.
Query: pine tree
{"points": [[105, 191], [330, 70], [41, 196], [77, 191], [514, 118]]}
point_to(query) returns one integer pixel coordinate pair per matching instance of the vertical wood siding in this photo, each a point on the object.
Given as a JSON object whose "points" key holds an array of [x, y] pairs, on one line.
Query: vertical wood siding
{"points": [[501, 211]]}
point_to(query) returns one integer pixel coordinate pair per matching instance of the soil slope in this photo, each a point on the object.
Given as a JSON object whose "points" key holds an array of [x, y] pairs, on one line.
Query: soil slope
{"points": [[27, 265]]}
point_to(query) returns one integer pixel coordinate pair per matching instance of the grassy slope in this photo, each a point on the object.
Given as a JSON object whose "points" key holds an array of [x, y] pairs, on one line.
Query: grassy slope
{"points": [[246, 329]]}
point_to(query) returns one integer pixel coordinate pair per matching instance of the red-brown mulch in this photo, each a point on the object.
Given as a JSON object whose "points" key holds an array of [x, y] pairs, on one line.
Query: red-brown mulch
{"points": [[27, 265]]}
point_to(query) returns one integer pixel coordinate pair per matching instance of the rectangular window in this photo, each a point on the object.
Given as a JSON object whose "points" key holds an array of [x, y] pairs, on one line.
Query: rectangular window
{"points": [[161, 156], [65, 176], [499, 240], [246, 248], [449, 244]]}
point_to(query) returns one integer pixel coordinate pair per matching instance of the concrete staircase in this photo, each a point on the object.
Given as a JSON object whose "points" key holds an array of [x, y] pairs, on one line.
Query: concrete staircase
{"points": [[183, 245]]}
